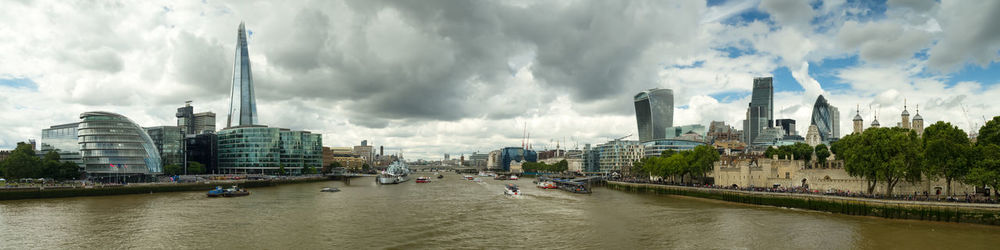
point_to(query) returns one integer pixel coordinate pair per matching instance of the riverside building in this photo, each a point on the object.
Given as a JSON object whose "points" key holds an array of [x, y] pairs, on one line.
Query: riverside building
{"points": [[654, 113], [114, 148], [245, 146]]}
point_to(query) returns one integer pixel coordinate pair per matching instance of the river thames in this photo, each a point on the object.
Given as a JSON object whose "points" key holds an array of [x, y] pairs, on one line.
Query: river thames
{"points": [[452, 213]]}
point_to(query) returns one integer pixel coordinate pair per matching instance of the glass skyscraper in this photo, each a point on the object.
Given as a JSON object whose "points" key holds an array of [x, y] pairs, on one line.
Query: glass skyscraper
{"points": [[62, 139], [169, 142], [654, 113], [760, 114], [826, 118], [242, 106], [111, 145]]}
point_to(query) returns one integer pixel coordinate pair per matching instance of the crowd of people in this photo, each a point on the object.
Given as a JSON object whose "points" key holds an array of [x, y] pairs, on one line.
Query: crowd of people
{"points": [[925, 196]]}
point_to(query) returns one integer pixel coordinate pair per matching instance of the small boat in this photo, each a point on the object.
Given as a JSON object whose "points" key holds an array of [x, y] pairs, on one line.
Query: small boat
{"points": [[330, 189], [513, 177], [500, 177], [547, 185], [440, 176], [477, 180], [469, 177], [511, 191], [235, 192], [217, 192], [423, 179]]}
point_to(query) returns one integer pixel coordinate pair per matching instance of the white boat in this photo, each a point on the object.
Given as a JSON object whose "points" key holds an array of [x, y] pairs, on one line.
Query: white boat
{"points": [[513, 177], [477, 180], [330, 189], [396, 173], [511, 190]]}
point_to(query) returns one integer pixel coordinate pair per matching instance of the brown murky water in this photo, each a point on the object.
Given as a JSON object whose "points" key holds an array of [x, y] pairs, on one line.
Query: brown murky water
{"points": [[452, 213]]}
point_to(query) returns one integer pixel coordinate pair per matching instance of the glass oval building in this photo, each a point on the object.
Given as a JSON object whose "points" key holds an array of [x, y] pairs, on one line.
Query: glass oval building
{"points": [[114, 147]]}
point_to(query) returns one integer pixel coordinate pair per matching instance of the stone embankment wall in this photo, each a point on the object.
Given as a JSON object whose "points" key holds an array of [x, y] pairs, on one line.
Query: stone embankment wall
{"points": [[62, 192], [988, 214]]}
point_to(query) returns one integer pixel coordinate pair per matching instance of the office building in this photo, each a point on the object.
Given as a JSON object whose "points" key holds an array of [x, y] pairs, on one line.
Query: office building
{"points": [[64, 140], [203, 149], [787, 126], [654, 112], [115, 148], [826, 119], [168, 141], [204, 122], [760, 113], [618, 155], [678, 131], [656, 147], [518, 154], [242, 106]]}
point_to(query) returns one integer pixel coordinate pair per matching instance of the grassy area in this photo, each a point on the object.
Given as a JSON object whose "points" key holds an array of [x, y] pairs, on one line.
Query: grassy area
{"points": [[38, 193], [841, 206]]}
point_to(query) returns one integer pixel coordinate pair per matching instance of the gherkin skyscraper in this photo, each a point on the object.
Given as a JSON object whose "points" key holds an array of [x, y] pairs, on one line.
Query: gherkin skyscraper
{"points": [[242, 106]]}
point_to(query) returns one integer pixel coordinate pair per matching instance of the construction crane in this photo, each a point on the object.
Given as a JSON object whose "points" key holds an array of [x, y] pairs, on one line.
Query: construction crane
{"points": [[623, 137]]}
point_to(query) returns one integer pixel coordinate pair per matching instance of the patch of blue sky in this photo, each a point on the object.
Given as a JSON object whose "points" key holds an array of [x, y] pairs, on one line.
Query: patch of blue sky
{"points": [[988, 76], [734, 52], [730, 96], [783, 81], [25, 83], [825, 72], [748, 16]]}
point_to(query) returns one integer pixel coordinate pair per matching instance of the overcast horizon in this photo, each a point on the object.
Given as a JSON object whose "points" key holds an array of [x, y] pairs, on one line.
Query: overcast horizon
{"points": [[433, 77]]}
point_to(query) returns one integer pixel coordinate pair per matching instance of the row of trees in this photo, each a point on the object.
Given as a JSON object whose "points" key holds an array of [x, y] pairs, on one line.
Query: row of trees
{"points": [[800, 151], [193, 168], [891, 155], [24, 163], [672, 164], [537, 167]]}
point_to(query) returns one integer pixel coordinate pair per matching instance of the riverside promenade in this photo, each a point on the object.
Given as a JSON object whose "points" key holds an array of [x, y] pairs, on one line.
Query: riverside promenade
{"points": [[38, 192], [978, 213]]}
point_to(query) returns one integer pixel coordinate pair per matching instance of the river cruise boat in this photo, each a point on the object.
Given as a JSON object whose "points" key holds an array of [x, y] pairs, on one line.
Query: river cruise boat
{"points": [[423, 179]]}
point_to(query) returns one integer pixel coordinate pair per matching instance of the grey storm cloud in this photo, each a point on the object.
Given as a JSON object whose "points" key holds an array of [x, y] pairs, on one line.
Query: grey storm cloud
{"points": [[411, 60]]}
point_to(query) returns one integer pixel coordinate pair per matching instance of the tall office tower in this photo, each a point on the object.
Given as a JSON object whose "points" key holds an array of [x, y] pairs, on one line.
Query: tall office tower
{"points": [[826, 117], [204, 122], [654, 113], [242, 107], [760, 113], [185, 118]]}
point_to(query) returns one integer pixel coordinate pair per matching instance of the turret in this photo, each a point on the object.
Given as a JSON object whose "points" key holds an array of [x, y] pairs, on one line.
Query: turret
{"points": [[858, 122], [905, 116], [918, 122]]}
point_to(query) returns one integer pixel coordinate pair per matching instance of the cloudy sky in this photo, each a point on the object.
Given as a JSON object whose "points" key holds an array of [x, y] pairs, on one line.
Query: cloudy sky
{"points": [[434, 77]]}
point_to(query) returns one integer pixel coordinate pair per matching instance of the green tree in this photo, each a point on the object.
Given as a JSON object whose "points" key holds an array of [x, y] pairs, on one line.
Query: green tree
{"points": [[947, 151], [22, 163], [308, 169], [887, 155], [771, 151], [677, 165], [281, 169], [822, 152], [561, 166], [50, 164], [68, 171], [702, 160], [986, 168], [173, 169], [990, 132], [195, 167]]}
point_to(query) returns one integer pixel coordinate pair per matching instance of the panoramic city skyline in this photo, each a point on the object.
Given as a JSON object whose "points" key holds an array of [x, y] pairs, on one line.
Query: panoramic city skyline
{"points": [[457, 77]]}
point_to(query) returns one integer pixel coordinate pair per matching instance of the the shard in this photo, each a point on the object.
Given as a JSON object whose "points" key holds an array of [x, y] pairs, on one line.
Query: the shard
{"points": [[242, 106]]}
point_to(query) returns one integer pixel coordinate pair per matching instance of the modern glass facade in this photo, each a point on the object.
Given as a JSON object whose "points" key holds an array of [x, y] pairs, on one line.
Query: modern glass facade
{"points": [[618, 155], [62, 139], [168, 141], [656, 147], [203, 148], [674, 132], [111, 144], [760, 114], [242, 106], [263, 150], [654, 112], [509, 154], [249, 149], [591, 159], [786, 125], [825, 117]]}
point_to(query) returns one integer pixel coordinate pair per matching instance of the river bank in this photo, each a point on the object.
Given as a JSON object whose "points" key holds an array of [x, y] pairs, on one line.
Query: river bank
{"points": [[986, 214], [140, 188]]}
